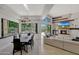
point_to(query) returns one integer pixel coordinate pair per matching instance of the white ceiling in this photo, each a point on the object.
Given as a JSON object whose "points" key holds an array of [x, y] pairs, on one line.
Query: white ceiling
{"points": [[40, 9], [62, 9], [33, 9], [8, 13]]}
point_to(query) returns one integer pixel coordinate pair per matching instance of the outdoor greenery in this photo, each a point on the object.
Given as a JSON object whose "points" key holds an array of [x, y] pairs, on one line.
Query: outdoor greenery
{"points": [[25, 26], [12, 26]]}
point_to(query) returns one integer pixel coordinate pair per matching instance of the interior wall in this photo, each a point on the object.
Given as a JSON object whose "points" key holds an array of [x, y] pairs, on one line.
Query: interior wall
{"points": [[75, 23], [6, 42], [5, 22], [8, 14]]}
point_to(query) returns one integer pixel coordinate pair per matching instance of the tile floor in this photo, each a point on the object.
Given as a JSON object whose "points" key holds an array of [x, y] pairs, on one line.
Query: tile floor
{"points": [[49, 50], [37, 50]]}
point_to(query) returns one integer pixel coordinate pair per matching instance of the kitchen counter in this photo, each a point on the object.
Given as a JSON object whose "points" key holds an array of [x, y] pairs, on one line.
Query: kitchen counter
{"points": [[63, 40]]}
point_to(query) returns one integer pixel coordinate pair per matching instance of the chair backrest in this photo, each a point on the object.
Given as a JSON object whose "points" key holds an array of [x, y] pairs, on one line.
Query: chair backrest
{"points": [[32, 38], [29, 34], [16, 36], [17, 44]]}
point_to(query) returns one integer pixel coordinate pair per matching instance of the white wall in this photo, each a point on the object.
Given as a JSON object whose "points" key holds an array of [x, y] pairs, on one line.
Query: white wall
{"points": [[6, 13], [73, 33], [5, 43], [75, 23]]}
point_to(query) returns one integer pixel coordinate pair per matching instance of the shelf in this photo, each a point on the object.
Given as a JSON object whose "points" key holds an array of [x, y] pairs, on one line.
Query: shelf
{"points": [[64, 28], [74, 28], [56, 21], [62, 19], [65, 34], [69, 28]]}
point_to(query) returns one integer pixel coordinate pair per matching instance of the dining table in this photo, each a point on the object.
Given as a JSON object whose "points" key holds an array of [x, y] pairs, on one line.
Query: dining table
{"points": [[25, 38]]}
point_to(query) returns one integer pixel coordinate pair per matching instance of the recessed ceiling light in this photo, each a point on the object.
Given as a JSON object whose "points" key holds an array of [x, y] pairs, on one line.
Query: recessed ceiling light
{"points": [[25, 5]]}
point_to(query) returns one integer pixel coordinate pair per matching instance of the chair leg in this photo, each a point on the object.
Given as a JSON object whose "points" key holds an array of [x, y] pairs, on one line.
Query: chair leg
{"points": [[26, 46], [21, 51], [25, 49], [31, 46], [13, 52]]}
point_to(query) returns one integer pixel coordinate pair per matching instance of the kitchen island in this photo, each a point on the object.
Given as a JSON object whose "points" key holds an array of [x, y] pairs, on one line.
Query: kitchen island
{"points": [[63, 42]]}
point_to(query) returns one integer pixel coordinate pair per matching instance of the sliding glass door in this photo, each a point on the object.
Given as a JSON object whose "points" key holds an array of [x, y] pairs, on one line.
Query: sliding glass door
{"points": [[45, 25], [13, 27]]}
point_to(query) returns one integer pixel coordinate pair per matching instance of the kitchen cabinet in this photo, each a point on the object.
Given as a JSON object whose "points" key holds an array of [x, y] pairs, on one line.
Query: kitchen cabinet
{"points": [[54, 42], [66, 45], [48, 41], [71, 47], [58, 43]]}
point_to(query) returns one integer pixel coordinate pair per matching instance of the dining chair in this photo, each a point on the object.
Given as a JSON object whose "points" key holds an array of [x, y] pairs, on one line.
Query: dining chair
{"points": [[28, 34], [17, 45], [31, 42], [23, 38]]}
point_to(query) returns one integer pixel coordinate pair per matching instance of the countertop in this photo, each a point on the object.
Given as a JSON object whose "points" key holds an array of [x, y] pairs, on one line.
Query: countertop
{"points": [[64, 40]]}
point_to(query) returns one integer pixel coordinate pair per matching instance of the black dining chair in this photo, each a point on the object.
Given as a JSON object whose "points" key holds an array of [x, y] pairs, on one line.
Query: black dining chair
{"points": [[28, 34], [17, 45], [30, 42]]}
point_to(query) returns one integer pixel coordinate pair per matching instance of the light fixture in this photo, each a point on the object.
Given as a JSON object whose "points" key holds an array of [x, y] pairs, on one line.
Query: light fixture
{"points": [[25, 5]]}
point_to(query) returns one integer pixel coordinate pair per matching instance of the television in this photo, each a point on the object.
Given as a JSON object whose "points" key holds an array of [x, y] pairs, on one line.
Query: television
{"points": [[63, 24]]}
